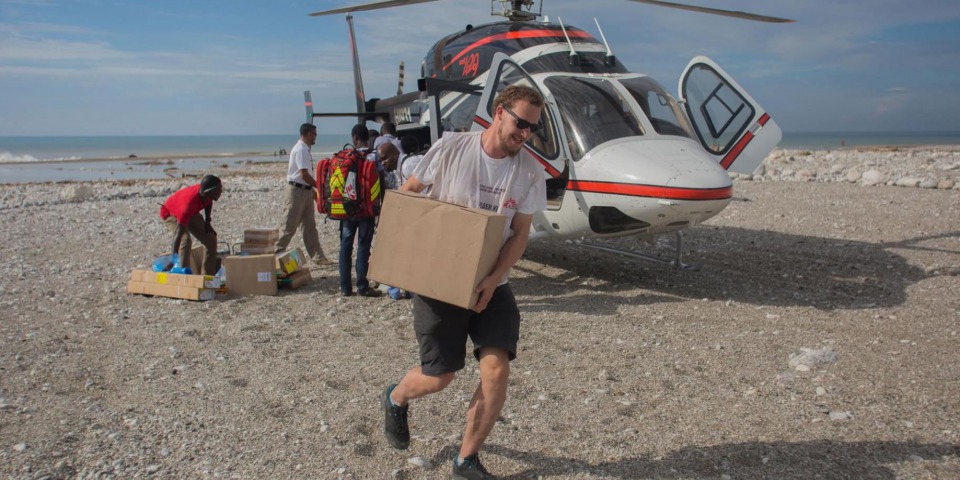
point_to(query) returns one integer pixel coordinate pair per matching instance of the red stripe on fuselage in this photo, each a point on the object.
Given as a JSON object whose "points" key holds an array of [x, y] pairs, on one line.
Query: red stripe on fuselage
{"points": [[744, 141], [516, 36], [546, 165], [651, 191]]}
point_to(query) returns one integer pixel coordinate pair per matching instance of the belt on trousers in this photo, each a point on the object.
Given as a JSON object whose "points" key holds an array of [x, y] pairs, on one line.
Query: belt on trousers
{"points": [[300, 185]]}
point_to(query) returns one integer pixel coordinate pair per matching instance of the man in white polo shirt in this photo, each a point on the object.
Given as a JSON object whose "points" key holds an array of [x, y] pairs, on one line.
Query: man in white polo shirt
{"points": [[299, 202]]}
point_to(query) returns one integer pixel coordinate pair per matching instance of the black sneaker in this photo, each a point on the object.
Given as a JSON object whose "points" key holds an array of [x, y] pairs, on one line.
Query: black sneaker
{"points": [[369, 292], [470, 469], [395, 426]]}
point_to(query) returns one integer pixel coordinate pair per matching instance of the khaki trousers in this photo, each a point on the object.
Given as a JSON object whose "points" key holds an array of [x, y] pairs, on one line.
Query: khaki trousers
{"points": [[196, 228], [300, 207]]}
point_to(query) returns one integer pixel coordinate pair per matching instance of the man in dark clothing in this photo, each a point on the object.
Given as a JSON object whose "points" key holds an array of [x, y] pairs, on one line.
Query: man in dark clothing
{"points": [[351, 228]]}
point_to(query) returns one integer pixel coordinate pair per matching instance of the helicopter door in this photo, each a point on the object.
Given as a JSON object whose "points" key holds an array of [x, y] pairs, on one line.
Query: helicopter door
{"points": [[730, 124], [543, 145]]}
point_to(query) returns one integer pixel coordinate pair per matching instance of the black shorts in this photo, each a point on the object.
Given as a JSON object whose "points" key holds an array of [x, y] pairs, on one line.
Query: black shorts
{"points": [[442, 330]]}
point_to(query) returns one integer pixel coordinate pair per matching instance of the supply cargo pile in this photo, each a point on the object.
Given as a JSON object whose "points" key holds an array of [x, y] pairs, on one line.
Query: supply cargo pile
{"points": [[250, 271]]}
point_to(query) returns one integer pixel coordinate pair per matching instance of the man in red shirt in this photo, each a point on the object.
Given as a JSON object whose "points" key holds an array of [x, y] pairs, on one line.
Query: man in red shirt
{"points": [[181, 214]]}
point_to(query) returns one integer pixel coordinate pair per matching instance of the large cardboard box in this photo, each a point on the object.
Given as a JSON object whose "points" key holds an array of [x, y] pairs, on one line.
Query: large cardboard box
{"points": [[290, 261], [251, 274], [435, 249]]}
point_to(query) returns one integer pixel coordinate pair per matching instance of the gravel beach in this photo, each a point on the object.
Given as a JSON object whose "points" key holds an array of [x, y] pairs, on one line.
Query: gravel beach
{"points": [[819, 340]]}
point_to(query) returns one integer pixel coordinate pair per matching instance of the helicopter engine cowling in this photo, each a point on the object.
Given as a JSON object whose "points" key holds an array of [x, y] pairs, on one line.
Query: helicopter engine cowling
{"points": [[642, 185]]}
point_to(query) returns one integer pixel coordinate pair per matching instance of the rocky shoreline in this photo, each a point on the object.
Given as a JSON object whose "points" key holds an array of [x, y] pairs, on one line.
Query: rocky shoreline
{"points": [[928, 167], [820, 340]]}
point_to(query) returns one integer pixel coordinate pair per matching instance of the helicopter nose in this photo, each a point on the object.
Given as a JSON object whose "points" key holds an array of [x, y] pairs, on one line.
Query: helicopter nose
{"points": [[675, 164], [650, 186]]}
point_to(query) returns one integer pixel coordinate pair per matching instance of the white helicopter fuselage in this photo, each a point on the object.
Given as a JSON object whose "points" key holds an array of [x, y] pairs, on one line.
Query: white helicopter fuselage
{"points": [[621, 155], [619, 167]]}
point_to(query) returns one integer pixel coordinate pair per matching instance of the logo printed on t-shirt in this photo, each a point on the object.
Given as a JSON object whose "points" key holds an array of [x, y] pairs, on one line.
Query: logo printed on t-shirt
{"points": [[510, 203]]}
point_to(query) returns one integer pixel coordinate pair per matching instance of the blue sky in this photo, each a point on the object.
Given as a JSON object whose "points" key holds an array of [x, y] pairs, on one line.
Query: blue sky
{"points": [[131, 67]]}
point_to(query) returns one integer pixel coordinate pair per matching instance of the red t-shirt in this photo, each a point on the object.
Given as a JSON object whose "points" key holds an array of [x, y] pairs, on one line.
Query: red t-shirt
{"points": [[184, 204]]}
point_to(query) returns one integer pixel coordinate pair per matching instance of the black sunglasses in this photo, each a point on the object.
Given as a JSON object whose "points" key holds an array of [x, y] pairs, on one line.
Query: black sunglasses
{"points": [[523, 124]]}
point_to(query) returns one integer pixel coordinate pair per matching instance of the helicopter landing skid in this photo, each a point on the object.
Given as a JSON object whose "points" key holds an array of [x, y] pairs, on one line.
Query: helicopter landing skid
{"points": [[677, 260]]}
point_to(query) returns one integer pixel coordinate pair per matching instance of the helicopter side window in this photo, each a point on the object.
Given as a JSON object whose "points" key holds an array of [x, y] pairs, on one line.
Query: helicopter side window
{"points": [[723, 112], [593, 112], [660, 108], [457, 111], [544, 141]]}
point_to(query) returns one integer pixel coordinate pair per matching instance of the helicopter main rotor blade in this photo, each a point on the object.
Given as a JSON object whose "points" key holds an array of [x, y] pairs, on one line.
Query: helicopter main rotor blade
{"points": [[717, 11], [369, 6]]}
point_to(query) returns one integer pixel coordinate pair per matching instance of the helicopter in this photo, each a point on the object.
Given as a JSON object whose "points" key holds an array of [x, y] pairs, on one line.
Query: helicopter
{"points": [[621, 155]]}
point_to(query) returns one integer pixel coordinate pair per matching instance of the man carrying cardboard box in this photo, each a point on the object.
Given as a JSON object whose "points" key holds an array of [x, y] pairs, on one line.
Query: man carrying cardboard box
{"points": [[489, 170]]}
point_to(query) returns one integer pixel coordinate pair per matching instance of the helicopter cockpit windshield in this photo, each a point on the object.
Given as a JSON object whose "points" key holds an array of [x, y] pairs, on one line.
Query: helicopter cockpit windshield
{"points": [[661, 109], [593, 112]]}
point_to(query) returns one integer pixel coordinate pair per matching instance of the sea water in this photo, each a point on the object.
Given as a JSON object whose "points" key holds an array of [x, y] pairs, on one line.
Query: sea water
{"points": [[41, 149], [56, 159], [65, 158], [835, 140]]}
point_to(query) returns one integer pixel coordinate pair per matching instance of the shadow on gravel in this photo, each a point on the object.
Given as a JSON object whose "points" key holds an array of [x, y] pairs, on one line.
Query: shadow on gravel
{"points": [[746, 266], [784, 460]]}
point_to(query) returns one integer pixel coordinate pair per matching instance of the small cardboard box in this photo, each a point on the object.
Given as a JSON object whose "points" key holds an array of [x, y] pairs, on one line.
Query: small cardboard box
{"points": [[251, 274], [256, 249], [264, 237], [435, 249], [196, 257], [296, 279], [290, 261], [197, 253]]}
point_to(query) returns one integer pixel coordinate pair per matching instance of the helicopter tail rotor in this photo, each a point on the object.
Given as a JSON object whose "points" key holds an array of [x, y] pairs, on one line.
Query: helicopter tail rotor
{"points": [[308, 104]]}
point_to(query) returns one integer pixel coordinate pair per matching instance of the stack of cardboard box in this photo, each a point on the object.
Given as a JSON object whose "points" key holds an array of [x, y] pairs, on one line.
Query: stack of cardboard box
{"points": [[173, 285], [258, 241], [291, 270]]}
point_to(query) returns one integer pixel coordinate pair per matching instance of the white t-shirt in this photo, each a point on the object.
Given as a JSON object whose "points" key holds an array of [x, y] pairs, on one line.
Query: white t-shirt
{"points": [[407, 165], [300, 158], [458, 171]]}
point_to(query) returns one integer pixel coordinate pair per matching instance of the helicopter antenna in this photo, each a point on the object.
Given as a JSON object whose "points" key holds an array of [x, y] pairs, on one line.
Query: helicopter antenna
{"points": [[604, 37], [609, 60], [573, 52]]}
